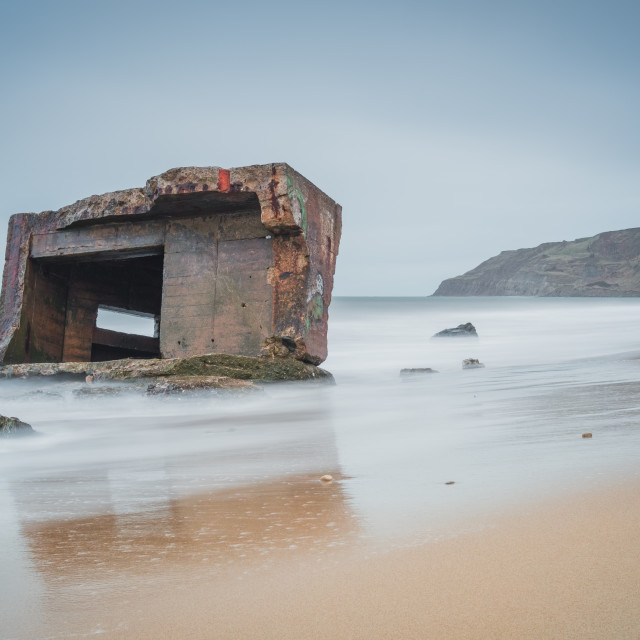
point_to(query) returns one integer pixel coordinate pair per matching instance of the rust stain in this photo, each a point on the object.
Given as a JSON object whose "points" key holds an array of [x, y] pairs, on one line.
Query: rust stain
{"points": [[27, 343], [273, 185], [187, 187]]}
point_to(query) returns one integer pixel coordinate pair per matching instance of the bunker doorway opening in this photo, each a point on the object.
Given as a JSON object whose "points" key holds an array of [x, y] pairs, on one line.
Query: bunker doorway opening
{"points": [[126, 321], [77, 300]]}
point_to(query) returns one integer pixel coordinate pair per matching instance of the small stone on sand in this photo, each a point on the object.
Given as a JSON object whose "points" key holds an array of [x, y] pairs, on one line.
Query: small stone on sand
{"points": [[89, 379], [587, 435], [327, 478], [450, 482]]}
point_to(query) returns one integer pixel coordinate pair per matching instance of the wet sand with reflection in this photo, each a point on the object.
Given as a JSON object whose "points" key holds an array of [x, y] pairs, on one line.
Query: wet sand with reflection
{"points": [[284, 560], [237, 526]]}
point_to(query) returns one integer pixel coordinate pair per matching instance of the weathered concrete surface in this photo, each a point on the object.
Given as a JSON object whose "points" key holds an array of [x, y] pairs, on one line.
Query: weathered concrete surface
{"points": [[228, 369], [224, 259]]}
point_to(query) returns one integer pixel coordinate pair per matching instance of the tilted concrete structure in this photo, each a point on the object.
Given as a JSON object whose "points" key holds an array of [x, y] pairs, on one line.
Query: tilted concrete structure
{"points": [[237, 261]]}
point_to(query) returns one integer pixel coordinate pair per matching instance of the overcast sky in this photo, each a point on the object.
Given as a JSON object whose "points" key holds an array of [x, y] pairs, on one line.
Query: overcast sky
{"points": [[449, 131]]}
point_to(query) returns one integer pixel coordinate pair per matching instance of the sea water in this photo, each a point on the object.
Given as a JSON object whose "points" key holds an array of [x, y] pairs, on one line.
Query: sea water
{"points": [[115, 485]]}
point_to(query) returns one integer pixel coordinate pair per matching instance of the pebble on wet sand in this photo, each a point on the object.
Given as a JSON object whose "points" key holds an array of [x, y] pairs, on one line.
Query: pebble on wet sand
{"points": [[587, 435], [327, 478]]}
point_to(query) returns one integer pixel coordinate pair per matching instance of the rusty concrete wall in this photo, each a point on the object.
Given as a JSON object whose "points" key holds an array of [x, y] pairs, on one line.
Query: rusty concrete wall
{"points": [[47, 316], [249, 253], [15, 280], [244, 296], [244, 292], [188, 293], [321, 223], [216, 294], [41, 333]]}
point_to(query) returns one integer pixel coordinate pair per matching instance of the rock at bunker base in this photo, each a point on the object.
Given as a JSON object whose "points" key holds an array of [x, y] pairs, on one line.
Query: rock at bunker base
{"points": [[466, 330], [472, 363], [183, 384], [232, 367], [14, 428]]}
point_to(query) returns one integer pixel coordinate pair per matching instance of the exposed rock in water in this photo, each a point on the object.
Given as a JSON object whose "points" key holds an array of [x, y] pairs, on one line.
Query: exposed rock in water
{"points": [[472, 363], [182, 384], [109, 391], [605, 265], [222, 366], [420, 371], [466, 330], [13, 428]]}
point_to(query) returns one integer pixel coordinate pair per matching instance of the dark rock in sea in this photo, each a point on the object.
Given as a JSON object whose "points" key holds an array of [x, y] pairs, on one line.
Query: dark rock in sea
{"points": [[411, 373], [605, 265], [587, 435], [472, 363], [466, 330], [13, 428]]}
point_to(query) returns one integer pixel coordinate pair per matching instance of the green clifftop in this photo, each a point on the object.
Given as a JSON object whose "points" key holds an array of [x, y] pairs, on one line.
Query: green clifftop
{"points": [[607, 264]]}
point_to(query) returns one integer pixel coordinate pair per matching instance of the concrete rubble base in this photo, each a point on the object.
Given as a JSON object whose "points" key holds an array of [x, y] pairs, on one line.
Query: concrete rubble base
{"points": [[175, 375]]}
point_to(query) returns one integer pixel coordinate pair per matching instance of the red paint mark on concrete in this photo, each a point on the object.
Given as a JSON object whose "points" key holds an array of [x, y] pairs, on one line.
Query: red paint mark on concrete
{"points": [[224, 180]]}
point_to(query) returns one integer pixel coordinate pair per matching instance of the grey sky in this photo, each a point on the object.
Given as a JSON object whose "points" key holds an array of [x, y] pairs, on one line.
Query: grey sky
{"points": [[448, 131]]}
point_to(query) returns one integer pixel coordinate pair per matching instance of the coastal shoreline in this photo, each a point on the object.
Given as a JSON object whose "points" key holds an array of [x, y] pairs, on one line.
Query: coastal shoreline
{"points": [[564, 567], [567, 568]]}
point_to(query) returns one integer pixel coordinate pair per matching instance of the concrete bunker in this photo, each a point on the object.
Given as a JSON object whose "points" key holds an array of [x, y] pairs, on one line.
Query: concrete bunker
{"points": [[222, 261]]}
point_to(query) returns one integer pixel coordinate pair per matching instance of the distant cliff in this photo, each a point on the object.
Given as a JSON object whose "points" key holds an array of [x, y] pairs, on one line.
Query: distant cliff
{"points": [[605, 265]]}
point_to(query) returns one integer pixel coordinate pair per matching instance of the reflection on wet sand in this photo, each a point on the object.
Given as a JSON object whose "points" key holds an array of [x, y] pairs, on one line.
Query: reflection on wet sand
{"points": [[157, 498], [222, 528]]}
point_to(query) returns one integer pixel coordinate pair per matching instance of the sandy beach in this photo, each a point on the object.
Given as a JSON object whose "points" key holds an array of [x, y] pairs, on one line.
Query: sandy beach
{"points": [[566, 568], [201, 519]]}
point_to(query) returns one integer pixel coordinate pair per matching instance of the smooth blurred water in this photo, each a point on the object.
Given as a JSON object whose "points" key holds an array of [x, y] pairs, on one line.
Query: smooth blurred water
{"points": [[116, 484]]}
